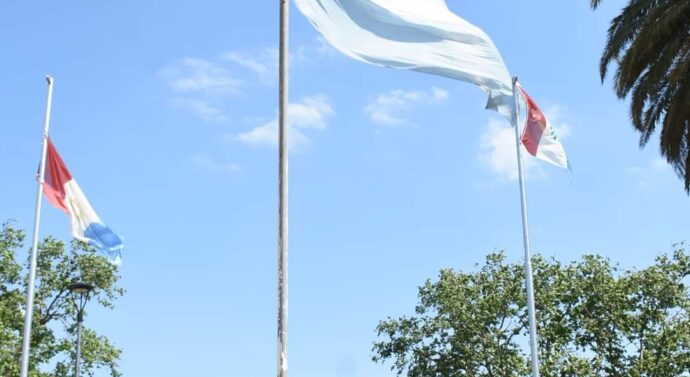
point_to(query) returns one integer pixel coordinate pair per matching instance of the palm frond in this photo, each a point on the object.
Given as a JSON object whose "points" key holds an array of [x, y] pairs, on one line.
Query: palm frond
{"points": [[650, 43], [623, 30]]}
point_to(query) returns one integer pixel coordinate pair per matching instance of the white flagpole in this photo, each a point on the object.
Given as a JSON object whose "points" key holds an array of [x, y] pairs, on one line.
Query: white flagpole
{"points": [[525, 235], [283, 191], [37, 218]]}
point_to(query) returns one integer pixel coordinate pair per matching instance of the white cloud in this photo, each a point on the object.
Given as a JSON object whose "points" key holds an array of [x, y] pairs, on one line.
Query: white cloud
{"points": [[263, 64], [497, 147], [324, 49], [199, 76], [439, 94], [199, 86], [264, 134], [650, 171], [307, 54], [497, 151], [660, 164], [656, 165], [208, 163], [387, 108], [634, 170], [309, 113], [639, 175], [202, 108], [202, 86]]}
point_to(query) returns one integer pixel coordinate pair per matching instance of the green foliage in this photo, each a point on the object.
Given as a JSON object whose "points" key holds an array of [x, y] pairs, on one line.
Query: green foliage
{"points": [[593, 320], [54, 318], [650, 43]]}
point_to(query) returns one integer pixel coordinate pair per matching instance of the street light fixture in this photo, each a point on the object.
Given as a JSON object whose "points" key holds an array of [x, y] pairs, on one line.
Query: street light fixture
{"points": [[80, 294]]}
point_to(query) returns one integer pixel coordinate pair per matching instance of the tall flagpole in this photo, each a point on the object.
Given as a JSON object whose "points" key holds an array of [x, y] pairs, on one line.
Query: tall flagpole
{"points": [[283, 192], [34, 246], [525, 236]]}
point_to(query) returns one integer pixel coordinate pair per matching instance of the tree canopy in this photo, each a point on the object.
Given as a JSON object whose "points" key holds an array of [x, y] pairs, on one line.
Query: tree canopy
{"points": [[593, 320], [649, 42], [54, 319]]}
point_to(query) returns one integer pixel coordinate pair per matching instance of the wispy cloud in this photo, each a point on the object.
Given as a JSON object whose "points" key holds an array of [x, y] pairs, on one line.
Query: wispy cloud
{"points": [[634, 170], [193, 75], [199, 86], [660, 164], [264, 64], [497, 146], [648, 172], [305, 55], [388, 108], [206, 162], [203, 108], [497, 151], [202, 86], [309, 113], [324, 49]]}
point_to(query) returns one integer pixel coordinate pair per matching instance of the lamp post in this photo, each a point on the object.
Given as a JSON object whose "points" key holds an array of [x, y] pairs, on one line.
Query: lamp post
{"points": [[80, 295]]}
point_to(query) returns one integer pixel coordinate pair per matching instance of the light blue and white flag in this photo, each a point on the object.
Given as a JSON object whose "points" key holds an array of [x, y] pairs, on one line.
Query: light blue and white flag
{"points": [[419, 35]]}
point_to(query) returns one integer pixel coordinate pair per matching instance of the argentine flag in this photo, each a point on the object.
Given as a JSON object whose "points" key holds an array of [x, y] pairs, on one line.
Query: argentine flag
{"points": [[63, 193], [417, 35]]}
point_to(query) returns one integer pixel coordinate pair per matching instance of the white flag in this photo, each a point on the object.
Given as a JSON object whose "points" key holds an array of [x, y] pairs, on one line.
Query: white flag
{"points": [[420, 35]]}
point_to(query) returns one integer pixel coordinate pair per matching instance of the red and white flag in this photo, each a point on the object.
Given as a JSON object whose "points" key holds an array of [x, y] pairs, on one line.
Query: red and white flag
{"points": [[539, 137]]}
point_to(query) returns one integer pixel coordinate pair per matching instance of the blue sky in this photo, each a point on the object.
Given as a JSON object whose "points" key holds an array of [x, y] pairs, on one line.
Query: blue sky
{"points": [[164, 111]]}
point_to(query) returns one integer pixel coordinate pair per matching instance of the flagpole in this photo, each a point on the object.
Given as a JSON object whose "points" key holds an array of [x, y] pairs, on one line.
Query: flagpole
{"points": [[283, 191], [525, 236], [26, 344]]}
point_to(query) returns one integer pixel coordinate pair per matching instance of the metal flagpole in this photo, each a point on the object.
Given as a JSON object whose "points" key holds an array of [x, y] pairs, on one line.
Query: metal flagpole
{"points": [[32, 266], [283, 192], [525, 235]]}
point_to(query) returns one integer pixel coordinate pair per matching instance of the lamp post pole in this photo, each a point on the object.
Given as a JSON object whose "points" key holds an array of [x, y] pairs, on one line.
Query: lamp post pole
{"points": [[81, 291], [77, 360]]}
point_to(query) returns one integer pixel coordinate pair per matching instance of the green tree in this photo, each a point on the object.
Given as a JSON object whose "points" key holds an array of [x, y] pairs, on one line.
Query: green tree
{"points": [[53, 326], [649, 41], [592, 318]]}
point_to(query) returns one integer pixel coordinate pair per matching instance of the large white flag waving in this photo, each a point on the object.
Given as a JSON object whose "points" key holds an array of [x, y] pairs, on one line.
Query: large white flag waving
{"points": [[420, 35]]}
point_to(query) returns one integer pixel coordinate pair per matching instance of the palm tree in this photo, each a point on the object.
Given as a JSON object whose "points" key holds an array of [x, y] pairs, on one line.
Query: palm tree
{"points": [[649, 41]]}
